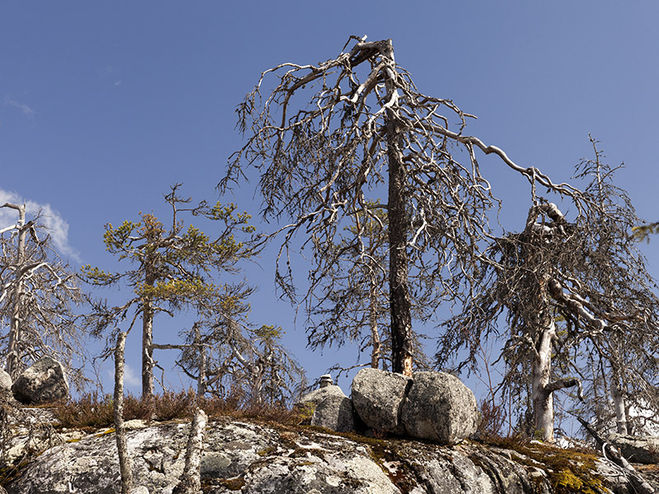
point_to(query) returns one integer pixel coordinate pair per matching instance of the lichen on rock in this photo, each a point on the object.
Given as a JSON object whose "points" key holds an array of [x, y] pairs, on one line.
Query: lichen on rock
{"points": [[248, 457]]}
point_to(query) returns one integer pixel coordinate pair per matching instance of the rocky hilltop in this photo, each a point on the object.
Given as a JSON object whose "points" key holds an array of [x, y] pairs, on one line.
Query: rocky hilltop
{"points": [[252, 457], [395, 435]]}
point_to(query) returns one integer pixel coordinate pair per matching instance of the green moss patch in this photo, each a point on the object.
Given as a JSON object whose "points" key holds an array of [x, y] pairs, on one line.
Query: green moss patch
{"points": [[569, 471]]}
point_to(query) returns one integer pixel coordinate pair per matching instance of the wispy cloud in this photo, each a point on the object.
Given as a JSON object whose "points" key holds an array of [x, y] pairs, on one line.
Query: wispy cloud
{"points": [[130, 378], [24, 109], [57, 227], [110, 73]]}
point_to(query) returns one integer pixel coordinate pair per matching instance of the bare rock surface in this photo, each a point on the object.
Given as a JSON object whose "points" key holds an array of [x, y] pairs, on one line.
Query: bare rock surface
{"points": [[439, 407], [637, 449], [25, 431], [5, 381], [336, 413], [250, 458], [378, 396], [43, 382]]}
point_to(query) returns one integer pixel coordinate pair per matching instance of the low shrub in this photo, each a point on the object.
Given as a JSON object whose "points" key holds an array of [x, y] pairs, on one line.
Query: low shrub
{"points": [[92, 411]]}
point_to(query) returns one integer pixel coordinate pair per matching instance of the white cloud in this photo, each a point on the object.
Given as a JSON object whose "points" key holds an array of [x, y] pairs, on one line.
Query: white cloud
{"points": [[130, 378], [26, 110], [57, 227]]}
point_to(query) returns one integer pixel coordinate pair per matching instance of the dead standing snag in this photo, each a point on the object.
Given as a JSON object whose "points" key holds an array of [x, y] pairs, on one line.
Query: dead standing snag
{"points": [[585, 271], [329, 139], [37, 291]]}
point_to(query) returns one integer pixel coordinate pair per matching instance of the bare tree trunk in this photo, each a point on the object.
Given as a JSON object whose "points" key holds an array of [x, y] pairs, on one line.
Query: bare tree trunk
{"points": [[190, 482], [147, 340], [373, 322], [257, 382], [542, 387], [147, 352], [12, 365], [543, 401], [619, 407], [618, 402], [616, 391], [401, 317], [120, 432], [13, 352], [201, 379]]}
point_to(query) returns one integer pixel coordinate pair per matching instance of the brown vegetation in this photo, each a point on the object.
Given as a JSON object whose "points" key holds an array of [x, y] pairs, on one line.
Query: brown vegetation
{"points": [[94, 411]]}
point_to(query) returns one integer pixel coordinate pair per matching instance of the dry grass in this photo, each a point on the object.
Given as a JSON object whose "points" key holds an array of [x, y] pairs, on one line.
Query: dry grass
{"points": [[92, 411], [493, 419]]}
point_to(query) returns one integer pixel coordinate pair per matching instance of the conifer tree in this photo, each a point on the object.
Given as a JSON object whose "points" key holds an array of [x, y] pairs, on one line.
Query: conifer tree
{"points": [[171, 266]]}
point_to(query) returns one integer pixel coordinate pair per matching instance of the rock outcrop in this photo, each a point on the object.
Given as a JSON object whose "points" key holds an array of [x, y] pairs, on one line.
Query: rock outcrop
{"points": [[639, 449], [378, 397], [336, 413], [43, 382], [251, 458], [439, 407], [5, 382]]}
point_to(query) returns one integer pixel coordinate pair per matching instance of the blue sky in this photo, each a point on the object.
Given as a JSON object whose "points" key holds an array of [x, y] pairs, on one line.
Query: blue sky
{"points": [[104, 105]]}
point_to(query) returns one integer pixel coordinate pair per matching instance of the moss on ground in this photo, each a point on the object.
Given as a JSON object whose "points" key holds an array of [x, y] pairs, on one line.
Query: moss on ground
{"points": [[569, 471]]}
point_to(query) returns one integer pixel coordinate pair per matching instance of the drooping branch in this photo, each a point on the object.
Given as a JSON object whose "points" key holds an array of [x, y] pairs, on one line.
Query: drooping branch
{"points": [[327, 138], [562, 384]]}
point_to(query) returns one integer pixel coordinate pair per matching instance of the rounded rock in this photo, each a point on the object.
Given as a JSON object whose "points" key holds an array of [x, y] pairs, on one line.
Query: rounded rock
{"points": [[377, 396], [335, 413], [43, 382], [5, 381], [439, 407]]}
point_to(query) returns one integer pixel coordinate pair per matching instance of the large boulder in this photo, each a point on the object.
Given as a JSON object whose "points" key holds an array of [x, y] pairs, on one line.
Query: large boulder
{"points": [[313, 399], [43, 382], [637, 449], [5, 382], [336, 413], [377, 396], [439, 407]]}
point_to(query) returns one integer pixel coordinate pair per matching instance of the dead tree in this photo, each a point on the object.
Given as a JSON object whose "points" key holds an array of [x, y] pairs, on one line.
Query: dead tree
{"points": [[190, 482], [618, 282], [351, 136], [582, 271], [37, 291], [240, 359], [120, 431], [353, 307]]}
